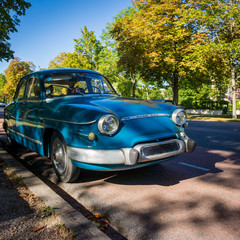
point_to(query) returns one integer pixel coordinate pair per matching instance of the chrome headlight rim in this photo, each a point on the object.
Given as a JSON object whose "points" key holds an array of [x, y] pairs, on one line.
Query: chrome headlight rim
{"points": [[101, 122], [175, 117]]}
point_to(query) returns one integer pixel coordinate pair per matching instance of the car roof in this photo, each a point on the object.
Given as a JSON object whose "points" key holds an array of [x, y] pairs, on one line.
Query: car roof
{"points": [[62, 70]]}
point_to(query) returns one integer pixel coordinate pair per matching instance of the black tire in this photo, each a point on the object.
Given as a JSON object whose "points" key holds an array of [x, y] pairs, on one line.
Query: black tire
{"points": [[11, 141], [62, 165]]}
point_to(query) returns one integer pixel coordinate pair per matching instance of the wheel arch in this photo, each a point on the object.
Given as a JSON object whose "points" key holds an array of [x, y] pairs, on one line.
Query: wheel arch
{"points": [[47, 140]]}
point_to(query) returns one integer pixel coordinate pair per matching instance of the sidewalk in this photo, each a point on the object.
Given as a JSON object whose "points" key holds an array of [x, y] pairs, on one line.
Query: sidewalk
{"points": [[29, 209]]}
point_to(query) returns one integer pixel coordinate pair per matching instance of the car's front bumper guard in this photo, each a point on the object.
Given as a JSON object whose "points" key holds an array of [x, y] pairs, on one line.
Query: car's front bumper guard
{"points": [[132, 156]]}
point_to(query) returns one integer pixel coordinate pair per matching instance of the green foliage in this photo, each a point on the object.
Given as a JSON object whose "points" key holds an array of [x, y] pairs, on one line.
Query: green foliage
{"points": [[156, 39], [17, 180], [108, 61], [129, 49], [89, 48], [48, 211], [149, 93], [69, 60], [91, 53], [123, 86], [230, 107], [191, 47], [9, 18], [2, 82], [221, 21], [15, 71], [205, 104]]}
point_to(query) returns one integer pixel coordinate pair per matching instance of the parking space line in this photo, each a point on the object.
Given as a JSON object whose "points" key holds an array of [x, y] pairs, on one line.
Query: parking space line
{"points": [[194, 166]]}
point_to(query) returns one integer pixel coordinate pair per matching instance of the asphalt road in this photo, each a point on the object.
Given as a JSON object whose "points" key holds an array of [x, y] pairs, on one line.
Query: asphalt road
{"points": [[194, 196]]}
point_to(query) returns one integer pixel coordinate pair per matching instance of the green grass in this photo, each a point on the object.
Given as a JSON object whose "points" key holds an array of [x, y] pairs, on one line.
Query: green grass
{"points": [[47, 211], [218, 118], [17, 180]]}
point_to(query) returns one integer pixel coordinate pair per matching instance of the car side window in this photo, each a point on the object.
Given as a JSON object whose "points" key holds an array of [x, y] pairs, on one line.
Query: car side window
{"points": [[33, 90], [21, 90]]}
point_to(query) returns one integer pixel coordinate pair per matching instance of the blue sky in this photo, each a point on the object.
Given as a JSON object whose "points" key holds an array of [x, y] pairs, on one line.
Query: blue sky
{"points": [[50, 26]]}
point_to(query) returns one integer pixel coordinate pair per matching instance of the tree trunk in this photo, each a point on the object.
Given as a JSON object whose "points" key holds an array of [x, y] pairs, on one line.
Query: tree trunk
{"points": [[133, 79], [175, 87], [234, 106], [147, 93]]}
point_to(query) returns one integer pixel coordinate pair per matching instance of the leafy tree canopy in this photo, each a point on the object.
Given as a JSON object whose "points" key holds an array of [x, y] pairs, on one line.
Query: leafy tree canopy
{"points": [[2, 82], [69, 60], [15, 71], [220, 19], [88, 47], [161, 36], [10, 10]]}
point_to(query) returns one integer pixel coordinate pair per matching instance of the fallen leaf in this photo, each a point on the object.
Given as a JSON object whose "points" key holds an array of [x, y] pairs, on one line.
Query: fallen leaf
{"points": [[97, 215], [23, 195], [38, 228]]}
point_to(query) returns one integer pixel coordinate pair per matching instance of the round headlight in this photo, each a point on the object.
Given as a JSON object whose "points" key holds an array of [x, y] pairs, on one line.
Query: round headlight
{"points": [[108, 124], [179, 117]]}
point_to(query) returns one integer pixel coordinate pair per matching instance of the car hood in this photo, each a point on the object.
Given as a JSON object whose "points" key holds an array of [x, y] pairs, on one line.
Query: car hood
{"points": [[125, 107], [140, 120]]}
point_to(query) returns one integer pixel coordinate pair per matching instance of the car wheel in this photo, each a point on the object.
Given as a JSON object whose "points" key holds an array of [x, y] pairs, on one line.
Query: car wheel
{"points": [[10, 140], [62, 165]]}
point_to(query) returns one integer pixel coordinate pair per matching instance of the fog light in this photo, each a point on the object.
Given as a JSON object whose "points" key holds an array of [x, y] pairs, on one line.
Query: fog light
{"points": [[91, 136]]}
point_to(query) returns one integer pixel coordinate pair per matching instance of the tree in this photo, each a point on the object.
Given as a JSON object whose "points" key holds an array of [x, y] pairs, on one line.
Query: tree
{"points": [[109, 64], [2, 82], [221, 20], [164, 35], [69, 60], [108, 58], [15, 71], [9, 12], [128, 47], [89, 48]]}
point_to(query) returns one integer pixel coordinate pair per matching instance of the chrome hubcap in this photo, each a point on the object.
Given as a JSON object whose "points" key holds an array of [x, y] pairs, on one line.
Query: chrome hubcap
{"points": [[59, 157]]}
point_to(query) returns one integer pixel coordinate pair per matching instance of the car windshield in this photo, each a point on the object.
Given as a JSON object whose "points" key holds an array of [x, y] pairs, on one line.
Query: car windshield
{"points": [[75, 84]]}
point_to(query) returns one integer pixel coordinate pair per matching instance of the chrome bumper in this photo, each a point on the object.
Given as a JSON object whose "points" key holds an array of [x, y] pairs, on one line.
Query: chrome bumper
{"points": [[129, 156]]}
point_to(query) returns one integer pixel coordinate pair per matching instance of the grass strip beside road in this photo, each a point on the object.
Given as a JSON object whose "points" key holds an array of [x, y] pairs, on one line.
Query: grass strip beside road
{"points": [[216, 118]]}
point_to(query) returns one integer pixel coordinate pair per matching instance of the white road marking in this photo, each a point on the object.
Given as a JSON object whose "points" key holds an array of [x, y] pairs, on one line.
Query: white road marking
{"points": [[194, 166]]}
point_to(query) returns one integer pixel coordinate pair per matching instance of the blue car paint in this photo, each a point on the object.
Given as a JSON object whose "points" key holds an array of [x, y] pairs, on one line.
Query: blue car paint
{"points": [[79, 111], [75, 117]]}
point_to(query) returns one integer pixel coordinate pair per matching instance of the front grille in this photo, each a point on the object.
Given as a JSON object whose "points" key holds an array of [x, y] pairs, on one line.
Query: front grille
{"points": [[160, 148]]}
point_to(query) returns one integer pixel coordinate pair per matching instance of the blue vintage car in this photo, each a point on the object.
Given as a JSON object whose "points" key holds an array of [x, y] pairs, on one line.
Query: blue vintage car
{"points": [[76, 118]]}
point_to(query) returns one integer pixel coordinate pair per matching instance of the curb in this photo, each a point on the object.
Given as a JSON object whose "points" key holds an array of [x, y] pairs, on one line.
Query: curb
{"points": [[69, 216]]}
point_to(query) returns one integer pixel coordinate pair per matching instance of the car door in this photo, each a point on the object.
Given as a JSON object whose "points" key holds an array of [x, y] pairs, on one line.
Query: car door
{"points": [[32, 126], [15, 124]]}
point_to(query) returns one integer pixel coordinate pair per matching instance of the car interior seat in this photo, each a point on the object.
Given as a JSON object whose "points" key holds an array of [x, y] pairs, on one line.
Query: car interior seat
{"points": [[49, 90]]}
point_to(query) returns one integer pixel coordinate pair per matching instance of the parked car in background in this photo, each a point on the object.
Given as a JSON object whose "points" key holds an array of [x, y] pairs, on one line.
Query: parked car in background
{"points": [[76, 118], [2, 104]]}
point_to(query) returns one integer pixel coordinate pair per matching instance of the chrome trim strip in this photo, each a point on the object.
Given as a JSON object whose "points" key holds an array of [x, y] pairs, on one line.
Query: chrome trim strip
{"points": [[22, 135], [145, 116], [57, 120], [48, 99]]}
